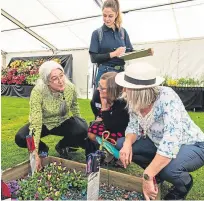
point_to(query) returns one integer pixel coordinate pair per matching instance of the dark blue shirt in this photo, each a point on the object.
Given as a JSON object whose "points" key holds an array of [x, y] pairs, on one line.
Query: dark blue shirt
{"points": [[111, 40]]}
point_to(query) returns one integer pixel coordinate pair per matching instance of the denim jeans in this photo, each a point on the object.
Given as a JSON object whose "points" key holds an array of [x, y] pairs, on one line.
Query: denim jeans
{"points": [[189, 159], [104, 69]]}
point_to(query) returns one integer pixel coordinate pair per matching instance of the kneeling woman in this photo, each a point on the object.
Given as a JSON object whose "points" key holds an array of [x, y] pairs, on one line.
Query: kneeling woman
{"points": [[109, 110], [51, 101]]}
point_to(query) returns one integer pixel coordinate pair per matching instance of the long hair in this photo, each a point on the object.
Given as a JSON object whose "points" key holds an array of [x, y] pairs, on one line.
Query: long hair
{"points": [[138, 99], [115, 6], [113, 90]]}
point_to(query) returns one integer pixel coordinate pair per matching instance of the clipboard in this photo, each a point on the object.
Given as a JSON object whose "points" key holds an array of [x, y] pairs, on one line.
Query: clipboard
{"points": [[137, 54]]}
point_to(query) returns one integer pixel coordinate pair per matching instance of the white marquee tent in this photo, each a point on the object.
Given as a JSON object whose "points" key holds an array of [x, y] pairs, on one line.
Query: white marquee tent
{"points": [[174, 28]]}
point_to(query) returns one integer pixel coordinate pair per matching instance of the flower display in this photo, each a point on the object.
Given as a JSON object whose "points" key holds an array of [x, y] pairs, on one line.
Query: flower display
{"points": [[23, 72], [183, 82], [54, 182]]}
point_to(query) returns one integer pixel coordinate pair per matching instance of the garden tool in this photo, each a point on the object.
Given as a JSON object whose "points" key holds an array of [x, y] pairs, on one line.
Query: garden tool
{"points": [[109, 146], [31, 148]]}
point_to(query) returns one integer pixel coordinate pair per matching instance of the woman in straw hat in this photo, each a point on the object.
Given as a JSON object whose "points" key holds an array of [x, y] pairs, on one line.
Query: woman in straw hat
{"points": [[51, 101], [160, 137]]}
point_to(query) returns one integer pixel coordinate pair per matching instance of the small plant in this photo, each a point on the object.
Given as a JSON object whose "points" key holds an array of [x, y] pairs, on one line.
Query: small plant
{"points": [[54, 182], [182, 82]]}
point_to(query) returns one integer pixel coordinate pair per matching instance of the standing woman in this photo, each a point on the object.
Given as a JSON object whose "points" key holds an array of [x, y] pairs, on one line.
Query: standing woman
{"points": [[109, 41]]}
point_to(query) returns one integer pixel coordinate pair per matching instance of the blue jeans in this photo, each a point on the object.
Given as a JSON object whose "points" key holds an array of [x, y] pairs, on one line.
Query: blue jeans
{"points": [[104, 69], [189, 159]]}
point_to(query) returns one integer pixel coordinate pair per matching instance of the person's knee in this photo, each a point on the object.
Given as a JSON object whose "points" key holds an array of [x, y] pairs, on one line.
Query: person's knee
{"points": [[171, 172], [20, 141], [120, 142], [20, 138], [92, 136]]}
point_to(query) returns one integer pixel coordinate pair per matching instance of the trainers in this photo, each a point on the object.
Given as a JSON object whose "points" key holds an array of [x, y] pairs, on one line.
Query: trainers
{"points": [[43, 153], [175, 194]]}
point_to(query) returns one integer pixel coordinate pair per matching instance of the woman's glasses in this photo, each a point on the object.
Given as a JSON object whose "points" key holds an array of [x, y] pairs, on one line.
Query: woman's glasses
{"points": [[100, 88], [56, 79]]}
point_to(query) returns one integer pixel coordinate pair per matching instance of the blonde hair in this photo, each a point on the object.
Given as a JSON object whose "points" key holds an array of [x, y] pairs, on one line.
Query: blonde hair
{"points": [[113, 90], [115, 6], [138, 99]]}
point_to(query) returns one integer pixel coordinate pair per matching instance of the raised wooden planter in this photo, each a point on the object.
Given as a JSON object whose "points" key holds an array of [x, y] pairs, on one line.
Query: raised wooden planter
{"points": [[128, 182]]}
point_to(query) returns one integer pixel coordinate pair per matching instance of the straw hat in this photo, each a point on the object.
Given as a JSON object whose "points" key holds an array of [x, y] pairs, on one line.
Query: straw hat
{"points": [[139, 75]]}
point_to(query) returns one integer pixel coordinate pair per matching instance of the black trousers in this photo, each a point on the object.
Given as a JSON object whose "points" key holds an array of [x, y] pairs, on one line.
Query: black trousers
{"points": [[74, 131]]}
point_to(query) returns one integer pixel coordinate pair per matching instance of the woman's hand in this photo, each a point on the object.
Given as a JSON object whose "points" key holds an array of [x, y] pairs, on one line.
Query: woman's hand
{"points": [[150, 189], [104, 104], [126, 154], [38, 162], [120, 51]]}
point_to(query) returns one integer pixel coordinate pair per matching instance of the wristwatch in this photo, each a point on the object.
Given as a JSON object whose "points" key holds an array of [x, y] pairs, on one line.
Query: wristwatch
{"points": [[146, 177]]}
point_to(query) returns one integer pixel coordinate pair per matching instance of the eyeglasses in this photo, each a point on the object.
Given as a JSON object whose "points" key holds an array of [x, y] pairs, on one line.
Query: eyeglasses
{"points": [[56, 79], [100, 88]]}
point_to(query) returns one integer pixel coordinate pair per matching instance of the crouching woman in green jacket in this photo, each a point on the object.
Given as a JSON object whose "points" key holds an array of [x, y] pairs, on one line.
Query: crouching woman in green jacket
{"points": [[51, 101]]}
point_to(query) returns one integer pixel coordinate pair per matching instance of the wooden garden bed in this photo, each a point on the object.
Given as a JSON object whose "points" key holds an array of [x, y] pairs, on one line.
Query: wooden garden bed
{"points": [[124, 181]]}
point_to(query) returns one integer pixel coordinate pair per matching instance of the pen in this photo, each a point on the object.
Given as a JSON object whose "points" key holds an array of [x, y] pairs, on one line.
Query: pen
{"points": [[125, 48]]}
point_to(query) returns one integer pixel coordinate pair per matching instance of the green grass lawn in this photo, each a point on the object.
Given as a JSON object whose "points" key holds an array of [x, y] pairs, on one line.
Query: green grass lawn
{"points": [[15, 114]]}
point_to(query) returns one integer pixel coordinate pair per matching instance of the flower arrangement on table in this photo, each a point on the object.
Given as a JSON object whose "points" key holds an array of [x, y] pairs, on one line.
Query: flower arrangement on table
{"points": [[183, 82], [22, 72]]}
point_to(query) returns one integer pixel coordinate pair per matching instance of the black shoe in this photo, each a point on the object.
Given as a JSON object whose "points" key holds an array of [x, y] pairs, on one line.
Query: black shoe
{"points": [[64, 152], [175, 194]]}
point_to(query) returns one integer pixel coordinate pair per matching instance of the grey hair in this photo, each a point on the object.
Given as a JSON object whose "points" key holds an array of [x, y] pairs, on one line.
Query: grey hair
{"points": [[138, 99], [46, 68], [42, 83]]}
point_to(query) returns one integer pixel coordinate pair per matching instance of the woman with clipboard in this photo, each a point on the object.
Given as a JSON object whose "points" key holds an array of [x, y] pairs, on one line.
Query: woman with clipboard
{"points": [[110, 41]]}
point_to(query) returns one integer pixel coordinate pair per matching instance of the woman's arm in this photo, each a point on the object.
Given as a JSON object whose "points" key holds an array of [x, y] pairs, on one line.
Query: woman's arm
{"points": [[128, 44], [170, 144], [157, 164], [75, 106], [131, 135], [99, 58], [35, 116], [96, 103]]}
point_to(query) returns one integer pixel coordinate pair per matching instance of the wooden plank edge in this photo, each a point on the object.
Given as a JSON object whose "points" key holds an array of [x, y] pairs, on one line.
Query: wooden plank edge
{"points": [[128, 182]]}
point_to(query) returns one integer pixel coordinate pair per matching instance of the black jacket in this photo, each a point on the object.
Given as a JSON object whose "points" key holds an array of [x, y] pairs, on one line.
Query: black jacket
{"points": [[116, 119]]}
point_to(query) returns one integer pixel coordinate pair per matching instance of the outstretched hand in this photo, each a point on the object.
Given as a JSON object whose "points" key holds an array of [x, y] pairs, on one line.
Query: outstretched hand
{"points": [[150, 190], [126, 155]]}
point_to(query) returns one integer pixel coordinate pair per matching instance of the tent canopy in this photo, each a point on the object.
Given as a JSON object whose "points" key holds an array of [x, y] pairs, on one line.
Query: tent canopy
{"points": [[63, 24]]}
